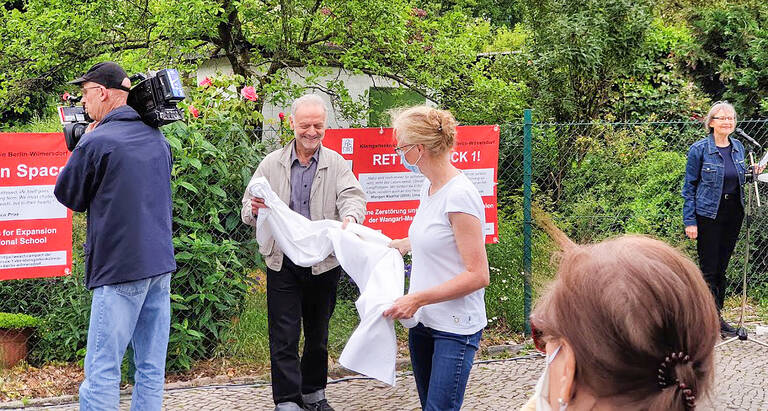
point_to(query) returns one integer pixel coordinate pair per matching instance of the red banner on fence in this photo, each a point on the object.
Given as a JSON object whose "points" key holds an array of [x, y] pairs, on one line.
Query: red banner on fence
{"points": [[393, 192], [36, 233]]}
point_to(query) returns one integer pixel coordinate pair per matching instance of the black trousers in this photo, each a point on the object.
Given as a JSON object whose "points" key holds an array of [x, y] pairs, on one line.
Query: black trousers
{"points": [[715, 243], [295, 295]]}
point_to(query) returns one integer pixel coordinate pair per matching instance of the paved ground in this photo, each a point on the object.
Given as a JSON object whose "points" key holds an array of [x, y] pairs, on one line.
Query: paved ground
{"points": [[741, 383]]}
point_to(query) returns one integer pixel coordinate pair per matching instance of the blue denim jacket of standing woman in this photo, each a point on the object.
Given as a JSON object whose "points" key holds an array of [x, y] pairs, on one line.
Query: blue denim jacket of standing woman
{"points": [[704, 174]]}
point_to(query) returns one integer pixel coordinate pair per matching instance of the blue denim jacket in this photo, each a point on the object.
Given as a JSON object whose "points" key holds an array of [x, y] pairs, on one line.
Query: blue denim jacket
{"points": [[704, 174]]}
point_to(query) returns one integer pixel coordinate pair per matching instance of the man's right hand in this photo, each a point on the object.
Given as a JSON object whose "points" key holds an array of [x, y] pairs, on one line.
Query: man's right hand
{"points": [[692, 231], [256, 204]]}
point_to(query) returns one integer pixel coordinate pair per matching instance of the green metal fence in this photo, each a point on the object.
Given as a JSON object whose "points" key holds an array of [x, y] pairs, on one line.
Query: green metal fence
{"points": [[598, 180]]}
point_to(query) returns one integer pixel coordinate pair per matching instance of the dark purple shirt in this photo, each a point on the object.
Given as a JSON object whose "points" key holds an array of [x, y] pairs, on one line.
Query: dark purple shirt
{"points": [[301, 181]]}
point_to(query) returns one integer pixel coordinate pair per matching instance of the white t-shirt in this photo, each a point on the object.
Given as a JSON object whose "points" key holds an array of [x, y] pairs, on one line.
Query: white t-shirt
{"points": [[436, 257]]}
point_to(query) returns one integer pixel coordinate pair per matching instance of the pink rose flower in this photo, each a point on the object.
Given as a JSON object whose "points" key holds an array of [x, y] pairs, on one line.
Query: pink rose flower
{"points": [[206, 82], [325, 11], [192, 110], [281, 115], [249, 93]]}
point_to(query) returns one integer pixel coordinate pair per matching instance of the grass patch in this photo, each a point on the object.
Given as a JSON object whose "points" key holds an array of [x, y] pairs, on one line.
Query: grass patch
{"points": [[343, 323], [756, 310], [248, 338]]}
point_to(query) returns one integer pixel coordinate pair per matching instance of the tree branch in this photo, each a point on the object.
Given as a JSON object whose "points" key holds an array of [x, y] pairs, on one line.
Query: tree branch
{"points": [[304, 44]]}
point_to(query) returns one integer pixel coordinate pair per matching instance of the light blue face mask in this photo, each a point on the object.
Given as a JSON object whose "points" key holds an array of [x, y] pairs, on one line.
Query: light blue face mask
{"points": [[411, 167]]}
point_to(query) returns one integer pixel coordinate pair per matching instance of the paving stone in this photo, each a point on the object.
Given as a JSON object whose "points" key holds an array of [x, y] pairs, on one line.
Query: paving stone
{"points": [[741, 382]]}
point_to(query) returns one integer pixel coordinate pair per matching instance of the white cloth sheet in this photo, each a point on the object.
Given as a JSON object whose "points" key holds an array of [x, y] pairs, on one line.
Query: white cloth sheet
{"points": [[365, 256]]}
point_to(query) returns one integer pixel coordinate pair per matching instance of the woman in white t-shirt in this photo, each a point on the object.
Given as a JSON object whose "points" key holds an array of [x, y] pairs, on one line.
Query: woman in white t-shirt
{"points": [[450, 266]]}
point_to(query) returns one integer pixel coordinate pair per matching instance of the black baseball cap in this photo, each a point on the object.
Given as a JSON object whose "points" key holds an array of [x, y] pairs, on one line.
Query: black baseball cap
{"points": [[108, 74]]}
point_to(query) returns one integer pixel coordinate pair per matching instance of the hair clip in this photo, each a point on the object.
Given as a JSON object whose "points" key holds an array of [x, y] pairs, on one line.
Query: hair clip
{"points": [[666, 375]]}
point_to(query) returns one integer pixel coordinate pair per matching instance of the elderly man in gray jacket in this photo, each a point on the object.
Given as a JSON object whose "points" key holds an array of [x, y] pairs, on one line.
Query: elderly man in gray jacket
{"points": [[317, 183]]}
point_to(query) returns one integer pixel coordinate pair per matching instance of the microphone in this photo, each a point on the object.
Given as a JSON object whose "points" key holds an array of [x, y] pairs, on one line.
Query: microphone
{"points": [[747, 137]]}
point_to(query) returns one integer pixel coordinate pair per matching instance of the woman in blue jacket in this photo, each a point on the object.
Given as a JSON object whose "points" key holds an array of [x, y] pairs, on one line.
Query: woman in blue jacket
{"points": [[714, 200]]}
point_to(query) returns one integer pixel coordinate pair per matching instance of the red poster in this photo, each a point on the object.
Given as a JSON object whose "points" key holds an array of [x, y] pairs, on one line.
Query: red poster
{"points": [[36, 233], [393, 192]]}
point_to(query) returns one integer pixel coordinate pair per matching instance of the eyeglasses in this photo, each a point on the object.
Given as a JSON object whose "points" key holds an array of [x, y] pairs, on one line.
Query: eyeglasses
{"points": [[88, 88], [727, 118], [399, 150], [538, 338]]}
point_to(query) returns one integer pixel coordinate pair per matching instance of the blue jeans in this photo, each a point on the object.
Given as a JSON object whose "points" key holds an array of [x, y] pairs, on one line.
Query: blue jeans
{"points": [[441, 362], [138, 312]]}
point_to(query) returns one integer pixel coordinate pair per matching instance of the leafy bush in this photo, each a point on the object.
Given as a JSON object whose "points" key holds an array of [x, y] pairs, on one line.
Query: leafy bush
{"points": [[655, 87], [628, 181], [215, 154], [728, 55], [504, 296], [17, 321]]}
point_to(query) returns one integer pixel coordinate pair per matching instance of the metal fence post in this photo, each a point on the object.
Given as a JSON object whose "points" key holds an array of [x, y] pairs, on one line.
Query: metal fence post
{"points": [[527, 174]]}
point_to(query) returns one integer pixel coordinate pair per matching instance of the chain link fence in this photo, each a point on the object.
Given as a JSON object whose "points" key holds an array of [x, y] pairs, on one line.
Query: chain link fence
{"points": [[596, 180]]}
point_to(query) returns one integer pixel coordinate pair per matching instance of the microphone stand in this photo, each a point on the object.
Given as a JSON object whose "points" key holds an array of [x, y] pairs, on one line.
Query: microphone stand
{"points": [[751, 177]]}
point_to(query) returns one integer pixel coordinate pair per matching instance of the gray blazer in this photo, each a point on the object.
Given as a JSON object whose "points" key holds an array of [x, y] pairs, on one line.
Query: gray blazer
{"points": [[335, 194]]}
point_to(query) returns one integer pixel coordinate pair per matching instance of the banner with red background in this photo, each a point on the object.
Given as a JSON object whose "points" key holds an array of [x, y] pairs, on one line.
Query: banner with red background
{"points": [[36, 233], [393, 192]]}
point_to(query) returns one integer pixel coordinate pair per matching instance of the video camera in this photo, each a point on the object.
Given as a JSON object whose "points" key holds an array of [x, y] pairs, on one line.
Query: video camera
{"points": [[154, 98]]}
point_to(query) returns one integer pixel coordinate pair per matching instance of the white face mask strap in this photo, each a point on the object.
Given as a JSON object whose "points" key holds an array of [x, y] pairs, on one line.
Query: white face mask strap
{"points": [[418, 159], [550, 358]]}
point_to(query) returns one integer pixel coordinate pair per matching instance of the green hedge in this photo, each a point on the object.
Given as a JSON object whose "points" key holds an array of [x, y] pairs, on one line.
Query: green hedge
{"points": [[17, 321]]}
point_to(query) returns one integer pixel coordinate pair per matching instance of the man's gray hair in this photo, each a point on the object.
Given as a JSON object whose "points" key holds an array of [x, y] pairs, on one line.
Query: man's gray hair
{"points": [[719, 105], [308, 99]]}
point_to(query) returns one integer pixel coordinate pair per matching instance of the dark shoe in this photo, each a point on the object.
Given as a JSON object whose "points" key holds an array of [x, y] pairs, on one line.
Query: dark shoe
{"points": [[726, 330], [321, 405]]}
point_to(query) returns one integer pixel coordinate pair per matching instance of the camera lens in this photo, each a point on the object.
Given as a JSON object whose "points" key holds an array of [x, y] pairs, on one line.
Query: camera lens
{"points": [[72, 134]]}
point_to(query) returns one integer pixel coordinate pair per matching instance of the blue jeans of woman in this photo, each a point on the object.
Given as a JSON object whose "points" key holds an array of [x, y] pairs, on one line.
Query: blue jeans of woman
{"points": [[138, 312], [441, 362]]}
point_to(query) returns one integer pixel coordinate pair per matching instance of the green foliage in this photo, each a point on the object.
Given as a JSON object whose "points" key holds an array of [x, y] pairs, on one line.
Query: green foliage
{"points": [[504, 295], [507, 40], [215, 155], [49, 42], [655, 87], [728, 57], [343, 323], [247, 339], [11, 321], [493, 93], [48, 124], [628, 181], [579, 49], [505, 13], [425, 51]]}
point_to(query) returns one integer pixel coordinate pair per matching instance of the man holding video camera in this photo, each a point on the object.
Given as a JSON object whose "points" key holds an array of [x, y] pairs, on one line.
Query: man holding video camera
{"points": [[120, 172]]}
